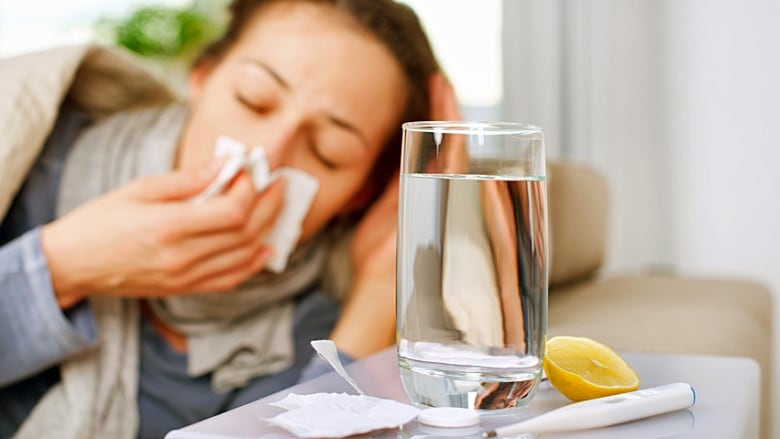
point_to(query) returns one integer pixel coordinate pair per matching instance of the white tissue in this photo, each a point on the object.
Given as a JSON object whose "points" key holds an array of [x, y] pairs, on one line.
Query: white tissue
{"points": [[235, 160], [298, 194], [332, 415]]}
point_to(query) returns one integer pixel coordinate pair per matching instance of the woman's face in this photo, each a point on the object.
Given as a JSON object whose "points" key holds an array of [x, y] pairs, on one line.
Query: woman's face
{"points": [[318, 93]]}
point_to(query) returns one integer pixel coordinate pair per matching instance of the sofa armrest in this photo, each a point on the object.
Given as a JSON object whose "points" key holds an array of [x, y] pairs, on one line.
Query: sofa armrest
{"points": [[577, 205]]}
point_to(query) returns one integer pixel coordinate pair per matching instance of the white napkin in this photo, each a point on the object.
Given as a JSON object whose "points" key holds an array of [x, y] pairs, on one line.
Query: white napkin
{"points": [[299, 194], [335, 415]]}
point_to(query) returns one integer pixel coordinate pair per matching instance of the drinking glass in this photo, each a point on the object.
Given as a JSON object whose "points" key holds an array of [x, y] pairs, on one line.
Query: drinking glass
{"points": [[472, 264]]}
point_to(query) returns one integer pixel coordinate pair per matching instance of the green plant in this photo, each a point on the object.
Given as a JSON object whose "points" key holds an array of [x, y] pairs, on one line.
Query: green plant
{"points": [[163, 33]]}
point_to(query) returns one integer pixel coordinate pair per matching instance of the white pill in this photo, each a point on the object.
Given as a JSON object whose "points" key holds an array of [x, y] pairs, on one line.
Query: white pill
{"points": [[448, 417]]}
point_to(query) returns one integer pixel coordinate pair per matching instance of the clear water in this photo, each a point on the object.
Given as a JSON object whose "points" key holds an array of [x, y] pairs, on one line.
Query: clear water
{"points": [[472, 290]]}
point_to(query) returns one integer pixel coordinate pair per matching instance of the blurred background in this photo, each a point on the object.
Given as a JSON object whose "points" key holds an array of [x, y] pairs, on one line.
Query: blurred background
{"points": [[676, 102]]}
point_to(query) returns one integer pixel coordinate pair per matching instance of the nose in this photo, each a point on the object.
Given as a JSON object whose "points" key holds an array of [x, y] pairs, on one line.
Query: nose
{"points": [[278, 138]]}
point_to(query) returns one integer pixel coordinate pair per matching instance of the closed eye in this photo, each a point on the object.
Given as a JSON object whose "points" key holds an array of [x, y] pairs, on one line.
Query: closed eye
{"points": [[249, 104], [318, 154]]}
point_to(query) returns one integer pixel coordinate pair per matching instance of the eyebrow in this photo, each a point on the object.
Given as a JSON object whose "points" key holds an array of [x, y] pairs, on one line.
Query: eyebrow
{"points": [[274, 74], [335, 120], [349, 127]]}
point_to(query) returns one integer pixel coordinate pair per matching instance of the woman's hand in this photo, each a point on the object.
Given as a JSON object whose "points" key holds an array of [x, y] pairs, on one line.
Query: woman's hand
{"points": [[367, 322], [443, 100], [147, 239], [373, 246]]}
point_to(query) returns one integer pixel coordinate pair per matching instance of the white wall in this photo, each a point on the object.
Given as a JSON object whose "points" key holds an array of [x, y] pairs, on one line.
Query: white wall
{"points": [[592, 82], [726, 141], [727, 132], [677, 102]]}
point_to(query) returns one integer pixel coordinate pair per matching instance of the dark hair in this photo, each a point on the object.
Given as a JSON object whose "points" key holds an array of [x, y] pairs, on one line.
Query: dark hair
{"points": [[394, 24]]}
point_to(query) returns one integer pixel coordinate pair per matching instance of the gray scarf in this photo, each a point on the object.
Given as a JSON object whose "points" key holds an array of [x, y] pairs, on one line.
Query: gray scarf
{"points": [[236, 336]]}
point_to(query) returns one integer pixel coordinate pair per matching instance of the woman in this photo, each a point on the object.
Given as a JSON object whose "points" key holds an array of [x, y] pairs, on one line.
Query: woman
{"points": [[102, 334]]}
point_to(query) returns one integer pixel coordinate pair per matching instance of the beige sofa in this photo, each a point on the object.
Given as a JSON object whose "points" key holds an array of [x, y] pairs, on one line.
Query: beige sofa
{"points": [[643, 313]]}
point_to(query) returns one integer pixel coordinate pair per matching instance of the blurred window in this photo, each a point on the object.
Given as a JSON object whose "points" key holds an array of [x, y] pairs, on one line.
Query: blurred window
{"points": [[466, 35], [27, 25]]}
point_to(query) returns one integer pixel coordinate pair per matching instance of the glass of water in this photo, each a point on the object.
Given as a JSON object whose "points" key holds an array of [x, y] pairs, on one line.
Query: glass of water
{"points": [[472, 264]]}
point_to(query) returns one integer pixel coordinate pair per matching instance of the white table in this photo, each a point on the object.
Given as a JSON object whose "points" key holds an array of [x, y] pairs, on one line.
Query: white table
{"points": [[727, 402]]}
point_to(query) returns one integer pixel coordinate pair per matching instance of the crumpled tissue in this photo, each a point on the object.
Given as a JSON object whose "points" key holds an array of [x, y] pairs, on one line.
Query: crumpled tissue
{"points": [[299, 194], [335, 415]]}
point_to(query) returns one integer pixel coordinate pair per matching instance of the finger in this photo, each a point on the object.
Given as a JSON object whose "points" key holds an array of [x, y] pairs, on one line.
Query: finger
{"points": [[230, 279], [237, 260], [177, 185], [242, 191], [229, 211], [390, 195], [385, 207], [444, 106], [256, 230], [443, 99], [267, 209]]}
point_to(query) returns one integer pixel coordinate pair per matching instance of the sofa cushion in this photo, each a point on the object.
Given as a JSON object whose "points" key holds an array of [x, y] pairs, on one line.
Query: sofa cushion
{"points": [[577, 205], [671, 315]]}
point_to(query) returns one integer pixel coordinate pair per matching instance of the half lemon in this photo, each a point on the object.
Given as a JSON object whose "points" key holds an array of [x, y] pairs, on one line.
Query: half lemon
{"points": [[581, 368]]}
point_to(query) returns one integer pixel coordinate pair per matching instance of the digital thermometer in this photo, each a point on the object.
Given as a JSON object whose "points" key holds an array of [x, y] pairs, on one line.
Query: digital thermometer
{"points": [[609, 410]]}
